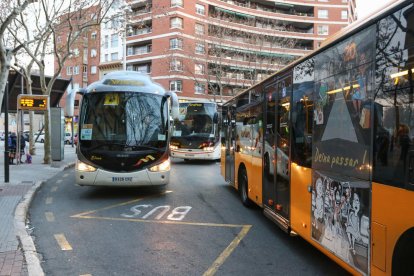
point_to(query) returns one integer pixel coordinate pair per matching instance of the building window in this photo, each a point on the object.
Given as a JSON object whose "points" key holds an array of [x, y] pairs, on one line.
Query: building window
{"points": [[93, 36], [176, 22], [200, 9], [114, 56], [344, 14], [199, 29], [199, 69], [93, 53], [177, 3], [323, 30], [176, 43], [176, 86], [106, 42], [200, 48], [93, 70], [76, 70], [69, 70], [200, 88], [176, 65], [106, 57], [322, 13], [114, 40]]}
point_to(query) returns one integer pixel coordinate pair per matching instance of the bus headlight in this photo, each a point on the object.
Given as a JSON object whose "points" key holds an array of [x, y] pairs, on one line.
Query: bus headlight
{"points": [[83, 167], [173, 147], [164, 166], [208, 148]]}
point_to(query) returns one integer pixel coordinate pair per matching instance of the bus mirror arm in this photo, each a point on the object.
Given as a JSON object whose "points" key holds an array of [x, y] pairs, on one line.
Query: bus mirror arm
{"points": [[409, 171], [174, 104]]}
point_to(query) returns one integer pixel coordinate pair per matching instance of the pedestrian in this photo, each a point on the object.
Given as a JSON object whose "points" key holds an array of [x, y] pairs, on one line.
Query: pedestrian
{"points": [[22, 146], [12, 147]]}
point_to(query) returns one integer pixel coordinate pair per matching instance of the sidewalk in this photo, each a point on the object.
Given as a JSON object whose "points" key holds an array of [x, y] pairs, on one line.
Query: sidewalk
{"points": [[18, 255]]}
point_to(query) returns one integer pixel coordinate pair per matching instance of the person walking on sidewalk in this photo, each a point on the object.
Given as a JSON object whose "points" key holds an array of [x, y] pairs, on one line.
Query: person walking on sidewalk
{"points": [[22, 146]]}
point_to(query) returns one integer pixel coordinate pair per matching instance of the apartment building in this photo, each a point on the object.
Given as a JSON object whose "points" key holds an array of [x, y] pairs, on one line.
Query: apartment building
{"points": [[215, 48], [82, 63], [206, 48]]}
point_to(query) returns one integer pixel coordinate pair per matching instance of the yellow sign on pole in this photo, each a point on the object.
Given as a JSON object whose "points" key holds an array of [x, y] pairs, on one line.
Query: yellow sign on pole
{"points": [[32, 102]]}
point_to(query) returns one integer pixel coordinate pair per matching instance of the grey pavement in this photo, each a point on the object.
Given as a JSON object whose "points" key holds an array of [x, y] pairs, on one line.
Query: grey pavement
{"points": [[18, 254]]}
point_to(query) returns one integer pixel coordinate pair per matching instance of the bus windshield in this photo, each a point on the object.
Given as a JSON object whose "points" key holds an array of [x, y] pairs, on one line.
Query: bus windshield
{"points": [[116, 121], [196, 119]]}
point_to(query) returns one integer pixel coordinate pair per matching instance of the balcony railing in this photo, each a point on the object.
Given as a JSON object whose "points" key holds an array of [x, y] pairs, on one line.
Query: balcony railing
{"points": [[259, 7]]}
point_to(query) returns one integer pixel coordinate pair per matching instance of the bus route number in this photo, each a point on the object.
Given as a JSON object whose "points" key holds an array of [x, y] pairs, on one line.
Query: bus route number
{"points": [[158, 212]]}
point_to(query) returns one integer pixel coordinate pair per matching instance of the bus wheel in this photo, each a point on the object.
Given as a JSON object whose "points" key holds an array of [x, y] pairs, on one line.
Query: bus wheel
{"points": [[402, 263], [243, 188]]}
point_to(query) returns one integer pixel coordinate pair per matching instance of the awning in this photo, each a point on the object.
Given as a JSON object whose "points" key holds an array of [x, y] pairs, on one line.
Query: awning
{"points": [[258, 53], [58, 89], [234, 13]]}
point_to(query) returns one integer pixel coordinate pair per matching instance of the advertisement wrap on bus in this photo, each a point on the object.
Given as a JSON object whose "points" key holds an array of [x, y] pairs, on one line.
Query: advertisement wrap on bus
{"points": [[325, 146]]}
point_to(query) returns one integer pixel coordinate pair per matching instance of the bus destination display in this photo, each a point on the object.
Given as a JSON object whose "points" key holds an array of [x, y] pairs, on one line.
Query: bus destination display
{"points": [[32, 102]]}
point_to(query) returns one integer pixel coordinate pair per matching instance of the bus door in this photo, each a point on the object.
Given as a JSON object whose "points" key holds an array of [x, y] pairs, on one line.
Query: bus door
{"points": [[230, 132], [282, 135], [269, 154]]}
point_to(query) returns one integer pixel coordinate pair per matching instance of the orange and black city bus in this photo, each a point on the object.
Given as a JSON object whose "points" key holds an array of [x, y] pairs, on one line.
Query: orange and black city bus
{"points": [[325, 146]]}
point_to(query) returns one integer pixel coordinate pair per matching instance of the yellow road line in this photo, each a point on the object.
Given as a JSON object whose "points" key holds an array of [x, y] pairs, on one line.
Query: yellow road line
{"points": [[63, 243], [50, 217], [113, 206], [49, 200], [226, 253], [165, 221], [54, 189]]}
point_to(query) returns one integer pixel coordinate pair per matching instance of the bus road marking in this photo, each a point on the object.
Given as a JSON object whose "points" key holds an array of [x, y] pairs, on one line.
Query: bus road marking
{"points": [[65, 175], [49, 200], [63, 242], [226, 253], [54, 189], [112, 206], [50, 217], [86, 275], [59, 181], [245, 228]]}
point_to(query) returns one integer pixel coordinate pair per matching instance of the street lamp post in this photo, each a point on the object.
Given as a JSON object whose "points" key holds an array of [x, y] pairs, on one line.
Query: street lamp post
{"points": [[6, 135]]}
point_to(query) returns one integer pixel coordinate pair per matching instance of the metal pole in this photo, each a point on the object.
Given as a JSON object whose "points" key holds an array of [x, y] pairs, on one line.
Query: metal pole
{"points": [[71, 126], [6, 135]]}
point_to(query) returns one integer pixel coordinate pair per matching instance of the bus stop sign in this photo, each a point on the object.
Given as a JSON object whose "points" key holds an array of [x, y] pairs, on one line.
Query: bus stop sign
{"points": [[32, 102]]}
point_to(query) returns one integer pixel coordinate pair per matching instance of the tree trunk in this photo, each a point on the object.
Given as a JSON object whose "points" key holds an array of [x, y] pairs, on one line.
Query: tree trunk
{"points": [[4, 73], [47, 157]]}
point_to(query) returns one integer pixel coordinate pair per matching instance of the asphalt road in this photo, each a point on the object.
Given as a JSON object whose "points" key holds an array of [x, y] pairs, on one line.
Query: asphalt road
{"points": [[196, 226]]}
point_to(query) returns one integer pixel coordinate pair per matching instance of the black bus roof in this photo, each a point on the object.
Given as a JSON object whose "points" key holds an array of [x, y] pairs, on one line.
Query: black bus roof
{"points": [[126, 81], [336, 38]]}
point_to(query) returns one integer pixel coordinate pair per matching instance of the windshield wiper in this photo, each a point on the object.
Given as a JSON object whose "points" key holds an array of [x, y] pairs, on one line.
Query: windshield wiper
{"points": [[136, 147]]}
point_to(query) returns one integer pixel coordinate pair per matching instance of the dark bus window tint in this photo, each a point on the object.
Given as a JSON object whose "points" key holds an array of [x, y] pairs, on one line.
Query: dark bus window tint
{"points": [[394, 98], [302, 113], [393, 129], [395, 32]]}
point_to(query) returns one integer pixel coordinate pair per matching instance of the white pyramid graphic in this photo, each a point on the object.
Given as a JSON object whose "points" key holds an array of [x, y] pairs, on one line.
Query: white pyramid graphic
{"points": [[339, 122]]}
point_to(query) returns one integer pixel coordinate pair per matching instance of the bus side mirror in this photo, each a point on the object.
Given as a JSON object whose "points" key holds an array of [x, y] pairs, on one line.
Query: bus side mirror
{"points": [[174, 104], [409, 171], [215, 118]]}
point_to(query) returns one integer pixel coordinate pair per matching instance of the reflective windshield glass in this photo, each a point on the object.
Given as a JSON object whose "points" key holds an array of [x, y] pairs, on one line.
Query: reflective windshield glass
{"points": [[126, 119], [195, 119]]}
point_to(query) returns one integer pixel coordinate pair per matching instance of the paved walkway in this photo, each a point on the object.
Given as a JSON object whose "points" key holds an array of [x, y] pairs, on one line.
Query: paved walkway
{"points": [[18, 254]]}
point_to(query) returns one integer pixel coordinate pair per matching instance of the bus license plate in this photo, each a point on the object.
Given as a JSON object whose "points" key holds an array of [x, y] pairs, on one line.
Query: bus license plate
{"points": [[121, 179], [189, 154]]}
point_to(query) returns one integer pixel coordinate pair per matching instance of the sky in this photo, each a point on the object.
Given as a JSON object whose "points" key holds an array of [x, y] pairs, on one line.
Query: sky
{"points": [[365, 7]]}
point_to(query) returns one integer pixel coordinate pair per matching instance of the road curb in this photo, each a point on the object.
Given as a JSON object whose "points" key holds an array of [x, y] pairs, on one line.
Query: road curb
{"points": [[20, 215]]}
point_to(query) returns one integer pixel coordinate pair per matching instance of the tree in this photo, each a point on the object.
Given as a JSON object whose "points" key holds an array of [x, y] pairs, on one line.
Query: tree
{"points": [[55, 20], [9, 11]]}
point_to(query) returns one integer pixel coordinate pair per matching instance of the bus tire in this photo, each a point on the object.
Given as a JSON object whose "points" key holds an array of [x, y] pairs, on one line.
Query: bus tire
{"points": [[243, 188], [402, 259]]}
